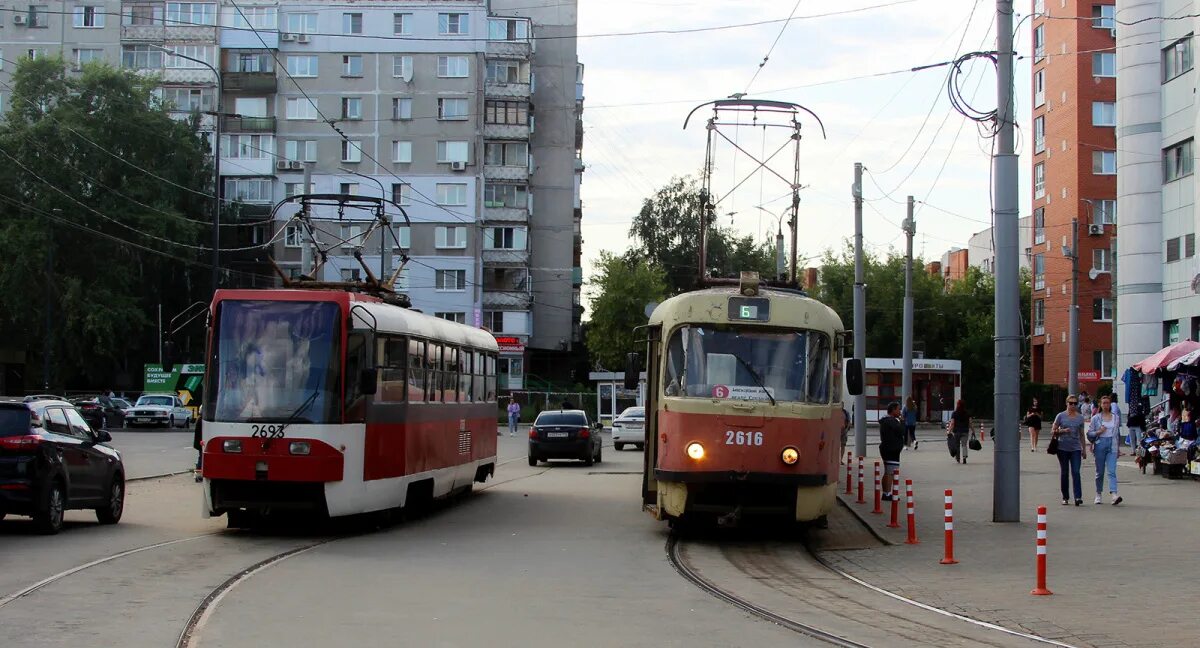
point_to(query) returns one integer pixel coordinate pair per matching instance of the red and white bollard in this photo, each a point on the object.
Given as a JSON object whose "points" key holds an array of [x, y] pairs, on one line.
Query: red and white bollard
{"points": [[948, 558], [894, 523], [912, 513], [878, 495], [861, 498], [981, 432], [849, 476], [1041, 590]]}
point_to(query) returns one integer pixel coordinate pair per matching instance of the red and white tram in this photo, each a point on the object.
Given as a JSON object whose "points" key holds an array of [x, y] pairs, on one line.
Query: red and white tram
{"points": [[339, 403]]}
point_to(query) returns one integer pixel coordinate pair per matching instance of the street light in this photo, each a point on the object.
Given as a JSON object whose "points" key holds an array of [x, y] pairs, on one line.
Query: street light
{"points": [[216, 208], [1072, 253]]}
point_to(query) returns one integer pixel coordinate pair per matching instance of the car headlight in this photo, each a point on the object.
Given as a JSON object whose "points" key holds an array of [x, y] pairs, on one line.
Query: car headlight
{"points": [[232, 445], [695, 450], [790, 455]]}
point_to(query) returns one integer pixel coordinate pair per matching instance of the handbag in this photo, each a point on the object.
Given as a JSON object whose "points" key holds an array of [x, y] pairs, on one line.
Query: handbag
{"points": [[1052, 447], [975, 444], [952, 445]]}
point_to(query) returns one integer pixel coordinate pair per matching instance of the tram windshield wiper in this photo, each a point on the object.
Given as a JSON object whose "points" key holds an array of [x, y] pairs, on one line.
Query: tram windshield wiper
{"points": [[295, 417], [754, 374]]}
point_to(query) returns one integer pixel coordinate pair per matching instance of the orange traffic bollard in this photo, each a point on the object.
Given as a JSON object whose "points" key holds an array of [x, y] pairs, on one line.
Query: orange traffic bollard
{"points": [[861, 499], [981, 432], [1041, 590], [912, 513], [948, 558], [895, 521], [849, 462], [878, 495]]}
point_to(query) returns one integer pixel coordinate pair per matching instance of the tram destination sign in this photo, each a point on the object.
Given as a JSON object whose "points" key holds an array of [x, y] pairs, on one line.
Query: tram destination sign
{"points": [[749, 309]]}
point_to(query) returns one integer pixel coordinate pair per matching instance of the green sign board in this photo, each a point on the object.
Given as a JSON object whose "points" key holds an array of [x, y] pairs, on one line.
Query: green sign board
{"points": [[185, 380]]}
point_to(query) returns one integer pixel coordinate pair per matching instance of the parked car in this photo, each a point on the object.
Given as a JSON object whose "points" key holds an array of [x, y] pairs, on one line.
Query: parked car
{"points": [[159, 410], [100, 411], [630, 428], [123, 405], [564, 434], [51, 460], [37, 397]]}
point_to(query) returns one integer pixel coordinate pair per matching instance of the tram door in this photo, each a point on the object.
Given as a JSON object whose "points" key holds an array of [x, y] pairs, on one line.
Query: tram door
{"points": [[650, 457]]}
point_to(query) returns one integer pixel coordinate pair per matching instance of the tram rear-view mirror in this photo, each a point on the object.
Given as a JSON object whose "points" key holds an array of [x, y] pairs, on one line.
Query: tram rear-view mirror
{"points": [[633, 370], [854, 376], [367, 381]]}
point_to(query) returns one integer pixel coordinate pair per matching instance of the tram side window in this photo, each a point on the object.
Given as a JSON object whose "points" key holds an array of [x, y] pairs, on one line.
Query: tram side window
{"points": [[450, 375], [433, 372], [478, 378], [356, 361], [393, 387], [491, 377], [416, 371], [464, 376]]}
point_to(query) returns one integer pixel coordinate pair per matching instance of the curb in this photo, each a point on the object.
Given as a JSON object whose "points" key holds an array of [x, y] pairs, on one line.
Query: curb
{"points": [[861, 520], [170, 474]]}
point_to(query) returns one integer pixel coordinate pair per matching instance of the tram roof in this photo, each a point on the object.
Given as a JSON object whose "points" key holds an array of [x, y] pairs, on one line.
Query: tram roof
{"points": [[788, 308]]}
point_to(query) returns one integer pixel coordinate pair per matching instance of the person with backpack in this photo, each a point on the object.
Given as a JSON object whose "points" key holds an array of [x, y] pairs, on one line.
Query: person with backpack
{"points": [[960, 430], [892, 438]]}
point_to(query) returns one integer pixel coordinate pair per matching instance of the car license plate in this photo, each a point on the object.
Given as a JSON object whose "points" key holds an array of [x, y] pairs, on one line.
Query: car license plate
{"points": [[141, 420], [556, 435]]}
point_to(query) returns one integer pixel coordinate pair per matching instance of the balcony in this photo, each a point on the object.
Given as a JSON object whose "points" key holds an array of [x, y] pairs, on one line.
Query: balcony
{"points": [[509, 49], [506, 131], [505, 172], [505, 214], [499, 90], [506, 299], [247, 167], [505, 257], [174, 33], [251, 82], [248, 124], [576, 276]]}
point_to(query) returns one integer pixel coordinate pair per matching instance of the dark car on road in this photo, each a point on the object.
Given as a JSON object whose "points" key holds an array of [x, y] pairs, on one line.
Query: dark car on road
{"points": [[51, 460], [564, 434], [100, 411]]}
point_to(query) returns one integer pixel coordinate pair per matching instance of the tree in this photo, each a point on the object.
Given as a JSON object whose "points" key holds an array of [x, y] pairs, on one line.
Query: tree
{"points": [[626, 287], [666, 232], [95, 173]]}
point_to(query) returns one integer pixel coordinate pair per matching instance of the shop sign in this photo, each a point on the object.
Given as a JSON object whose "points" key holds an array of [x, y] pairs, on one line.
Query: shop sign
{"points": [[510, 344], [1089, 375]]}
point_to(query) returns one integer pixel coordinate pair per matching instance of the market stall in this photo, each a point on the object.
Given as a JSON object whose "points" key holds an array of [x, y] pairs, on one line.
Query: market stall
{"points": [[1165, 389]]}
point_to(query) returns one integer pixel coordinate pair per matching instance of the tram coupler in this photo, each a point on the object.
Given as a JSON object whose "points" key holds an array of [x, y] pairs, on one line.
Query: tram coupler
{"points": [[731, 519]]}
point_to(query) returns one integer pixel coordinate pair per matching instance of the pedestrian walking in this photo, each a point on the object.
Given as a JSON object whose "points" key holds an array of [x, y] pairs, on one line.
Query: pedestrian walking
{"points": [[891, 442], [514, 413], [1103, 433], [1068, 444], [960, 429], [1033, 421], [910, 423], [1085, 406], [845, 426], [1136, 425], [198, 444]]}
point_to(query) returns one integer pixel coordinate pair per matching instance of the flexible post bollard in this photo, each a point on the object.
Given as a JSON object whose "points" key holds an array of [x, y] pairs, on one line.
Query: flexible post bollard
{"points": [[981, 432], [878, 495], [1041, 590], [849, 462], [861, 498], [948, 558], [895, 521], [912, 513]]}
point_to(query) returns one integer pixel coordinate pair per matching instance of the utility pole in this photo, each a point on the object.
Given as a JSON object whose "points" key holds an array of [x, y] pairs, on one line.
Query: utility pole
{"points": [[1006, 481], [49, 295], [305, 241], [910, 228], [1073, 324], [860, 314], [160, 340]]}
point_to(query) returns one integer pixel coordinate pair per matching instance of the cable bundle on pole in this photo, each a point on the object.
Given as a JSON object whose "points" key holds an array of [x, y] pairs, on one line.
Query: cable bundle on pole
{"points": [[954, 90]]}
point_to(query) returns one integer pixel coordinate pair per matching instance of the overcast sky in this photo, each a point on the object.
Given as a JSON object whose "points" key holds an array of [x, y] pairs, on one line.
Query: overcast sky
{"points": [[639, 89]]}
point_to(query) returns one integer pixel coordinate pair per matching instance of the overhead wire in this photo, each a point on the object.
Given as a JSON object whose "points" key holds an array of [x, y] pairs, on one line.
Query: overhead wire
{"points": [[771, 49]]}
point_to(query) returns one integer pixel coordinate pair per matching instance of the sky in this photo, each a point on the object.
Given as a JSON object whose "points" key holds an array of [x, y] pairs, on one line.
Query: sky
{"points": [[639, 89]]}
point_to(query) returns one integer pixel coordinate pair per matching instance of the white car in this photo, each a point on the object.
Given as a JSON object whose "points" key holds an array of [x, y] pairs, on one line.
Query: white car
{"points": [[159, 410], [630, 428]]}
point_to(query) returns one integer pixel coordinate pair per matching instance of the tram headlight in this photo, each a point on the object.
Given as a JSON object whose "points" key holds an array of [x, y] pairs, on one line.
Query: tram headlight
{"points": [[790, 455], [695, 450], [232, 445], [299, 447]]}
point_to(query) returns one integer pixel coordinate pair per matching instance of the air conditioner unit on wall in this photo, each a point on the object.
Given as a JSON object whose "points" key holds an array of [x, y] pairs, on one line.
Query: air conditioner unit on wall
{"points": [[1096, 229], [19, 19], [287, 37], [296, 165], [302, 38], [458, 166], [282, 165], [1113, 32]]}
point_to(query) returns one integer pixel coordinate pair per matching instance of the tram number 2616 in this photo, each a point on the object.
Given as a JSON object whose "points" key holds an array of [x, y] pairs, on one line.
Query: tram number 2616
{"points": [[743, 438], [267, 431]]}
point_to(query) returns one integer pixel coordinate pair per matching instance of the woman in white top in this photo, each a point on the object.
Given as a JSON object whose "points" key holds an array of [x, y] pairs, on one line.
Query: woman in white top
{"points": [[1102, 434]]}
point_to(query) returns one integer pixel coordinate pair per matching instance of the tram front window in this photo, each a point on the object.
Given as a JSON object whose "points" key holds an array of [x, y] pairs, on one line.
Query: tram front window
{"points": [[276, 361], [748, 364]]}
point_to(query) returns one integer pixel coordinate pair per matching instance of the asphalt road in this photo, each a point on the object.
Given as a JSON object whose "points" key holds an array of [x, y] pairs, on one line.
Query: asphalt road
{"points": [[153, 451]]}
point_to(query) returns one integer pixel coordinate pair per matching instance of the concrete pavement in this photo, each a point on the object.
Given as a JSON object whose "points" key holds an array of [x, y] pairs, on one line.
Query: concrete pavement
{"points": [[1120, 574]]}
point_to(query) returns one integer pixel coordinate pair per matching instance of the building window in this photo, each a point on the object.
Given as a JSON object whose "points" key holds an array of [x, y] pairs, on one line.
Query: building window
{"points": [[188, 99], [1177, 161], [352, 23], [1104, 162], [508, 29], [1101, 260], [451, 194], [250, 190], [300, 23], [494, 321], [1105, 211], [352, 236], [1039, 271], [291, 236], [351, 151], [453, 24], [1104, 64], [450, 280], [1039, 43], [141, 57], [1177, 58], [296, 188], [504, 72], [506, 112], [402, 66], [403, 235], [1039, 7], [141, 14], [401, 152], [402, 193], [401, 108], [300, 108], [251, 17], [89, 17], [1173, 249], [453, 67], [402, 24], [302, 66], [1189, 246], [352, 65], [1039, 226], [1039, 180], [201, 52], [505, 195], [1104, 16], [249, 62], [505, 238], [351, 274], [506, 154], [85, 56], [453, 151], [1039, 134], [351, 107], [452, 109], [451, 237], [1104, 113], [191, 13], [460, 318], [1102, 361], [1039, 317], [300, 150], [348, 188], [248, 147], [1039, 87]]}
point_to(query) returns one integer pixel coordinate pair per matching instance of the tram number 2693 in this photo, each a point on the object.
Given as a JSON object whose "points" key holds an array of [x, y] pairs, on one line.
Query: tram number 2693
{"points": [[267, 431], [743, 438]]}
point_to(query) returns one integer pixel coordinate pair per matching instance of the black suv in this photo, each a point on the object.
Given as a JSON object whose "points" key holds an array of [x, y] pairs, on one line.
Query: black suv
{"points": [[100, 412], [51, 460], [564, 434]]}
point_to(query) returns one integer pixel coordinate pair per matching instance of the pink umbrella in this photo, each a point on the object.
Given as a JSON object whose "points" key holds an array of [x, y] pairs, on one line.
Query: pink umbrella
{"points": [[1165, 356]]}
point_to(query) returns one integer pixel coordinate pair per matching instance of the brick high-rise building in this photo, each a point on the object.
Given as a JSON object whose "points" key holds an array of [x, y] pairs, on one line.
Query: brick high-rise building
{"points": [[1074, 180]]}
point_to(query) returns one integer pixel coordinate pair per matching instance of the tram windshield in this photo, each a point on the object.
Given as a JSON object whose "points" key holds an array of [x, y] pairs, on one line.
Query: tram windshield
{"points": [[732, 363], [276, 361]]}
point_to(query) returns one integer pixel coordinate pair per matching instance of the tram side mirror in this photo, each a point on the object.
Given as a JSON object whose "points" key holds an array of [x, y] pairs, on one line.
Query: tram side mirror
{"points": [[170, 352], [854, 376], [368, 381], [633, 370]]}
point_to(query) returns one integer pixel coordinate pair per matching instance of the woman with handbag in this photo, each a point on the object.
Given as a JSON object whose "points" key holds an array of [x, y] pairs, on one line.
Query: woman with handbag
{"points": [[960, 429], [1103, 434], [1033, 421], [1067, 443]]}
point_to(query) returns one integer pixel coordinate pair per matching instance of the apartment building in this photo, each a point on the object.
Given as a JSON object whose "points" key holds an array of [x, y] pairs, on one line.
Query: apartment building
{"points": [[428, 103], [981, 251], [1074, 168], [1158, 276]]}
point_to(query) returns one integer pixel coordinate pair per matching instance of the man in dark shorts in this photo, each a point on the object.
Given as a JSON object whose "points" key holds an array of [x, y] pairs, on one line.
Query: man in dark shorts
{"points": [[891, 442]]}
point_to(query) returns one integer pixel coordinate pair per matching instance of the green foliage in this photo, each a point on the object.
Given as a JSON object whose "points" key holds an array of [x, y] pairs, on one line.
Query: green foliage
{"points": [[625, 287], [64, 193]]}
